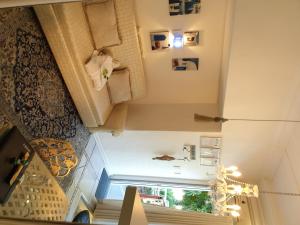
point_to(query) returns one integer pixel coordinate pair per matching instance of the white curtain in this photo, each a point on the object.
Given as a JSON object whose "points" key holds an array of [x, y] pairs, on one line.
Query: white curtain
{"points": [[108, 212]]}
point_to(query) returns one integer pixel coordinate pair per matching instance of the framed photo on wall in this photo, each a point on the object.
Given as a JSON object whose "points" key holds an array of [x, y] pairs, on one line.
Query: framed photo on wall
{"points": [[185, 64], [210, 142], [159, 40], [184, 7], [192, 6], [191, 38], [176, 7], [210, 150]]}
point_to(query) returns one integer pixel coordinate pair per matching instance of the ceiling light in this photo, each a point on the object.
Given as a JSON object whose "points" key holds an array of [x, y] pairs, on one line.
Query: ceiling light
{"points": [[232, 168], [224, 188], [234, 207], [236, 174]]}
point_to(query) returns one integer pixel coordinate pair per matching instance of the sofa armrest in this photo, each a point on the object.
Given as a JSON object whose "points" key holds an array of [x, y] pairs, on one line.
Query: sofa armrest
{"points": [[116, 121]]}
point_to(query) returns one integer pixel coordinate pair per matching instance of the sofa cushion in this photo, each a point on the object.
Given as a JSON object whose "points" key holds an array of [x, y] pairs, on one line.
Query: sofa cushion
{"points": [[103, 104], [103, 23], [119, 86]]}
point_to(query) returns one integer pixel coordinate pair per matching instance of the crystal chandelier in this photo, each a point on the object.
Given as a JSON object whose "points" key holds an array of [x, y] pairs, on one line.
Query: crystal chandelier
{"points": [[224, 188]]}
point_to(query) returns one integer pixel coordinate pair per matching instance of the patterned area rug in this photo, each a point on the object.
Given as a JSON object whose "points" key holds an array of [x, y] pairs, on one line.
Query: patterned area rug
{"points": [[32, 92]]}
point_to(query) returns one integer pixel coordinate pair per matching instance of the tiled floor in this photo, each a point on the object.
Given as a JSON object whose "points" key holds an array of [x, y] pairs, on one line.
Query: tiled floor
{"points": [[87, 176]]}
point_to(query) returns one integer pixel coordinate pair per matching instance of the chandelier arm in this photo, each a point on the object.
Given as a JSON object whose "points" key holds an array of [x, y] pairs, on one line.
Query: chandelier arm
{"points": [[235, 181], [229, 197]]}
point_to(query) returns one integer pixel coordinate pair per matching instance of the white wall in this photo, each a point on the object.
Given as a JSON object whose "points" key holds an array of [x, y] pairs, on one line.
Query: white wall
{"points": [[132, 153], [171, 117], [165, 86], [180, 94], [176, 96]]}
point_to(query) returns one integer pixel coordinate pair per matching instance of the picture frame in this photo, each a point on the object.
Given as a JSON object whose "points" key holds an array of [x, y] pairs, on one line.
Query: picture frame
{"points": [[191, 38], [159, 40], [176, 7], [211, 142], [192, 6], [209, 156], [184, 7], [185, 64]]}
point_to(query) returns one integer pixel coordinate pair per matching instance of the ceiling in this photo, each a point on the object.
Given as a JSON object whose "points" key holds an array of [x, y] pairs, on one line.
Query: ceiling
{"points": [[263, 83]]}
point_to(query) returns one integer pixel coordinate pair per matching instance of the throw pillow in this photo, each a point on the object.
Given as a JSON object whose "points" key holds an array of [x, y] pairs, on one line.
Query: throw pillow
{"points": [[119, 86], [103, 23]]}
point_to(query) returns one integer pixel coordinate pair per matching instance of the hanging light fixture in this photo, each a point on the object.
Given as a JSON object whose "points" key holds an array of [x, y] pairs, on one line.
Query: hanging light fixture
{"points": [[225, 188]]}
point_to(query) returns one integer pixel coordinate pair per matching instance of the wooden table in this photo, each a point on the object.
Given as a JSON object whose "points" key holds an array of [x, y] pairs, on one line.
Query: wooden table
{"points": [[38, 197]]}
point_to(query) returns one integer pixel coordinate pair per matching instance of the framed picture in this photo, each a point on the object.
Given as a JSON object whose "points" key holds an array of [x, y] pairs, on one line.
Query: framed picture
{"points": [[192, 6], [210, 150], [185, 64], [209, 162], [210, 142], [184, 7], [212, 159], [159, 40], [191, 38], [176, 7]]}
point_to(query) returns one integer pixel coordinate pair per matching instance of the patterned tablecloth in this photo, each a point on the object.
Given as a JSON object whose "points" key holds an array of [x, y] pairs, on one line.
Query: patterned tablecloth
{"points": [[38, 197]]}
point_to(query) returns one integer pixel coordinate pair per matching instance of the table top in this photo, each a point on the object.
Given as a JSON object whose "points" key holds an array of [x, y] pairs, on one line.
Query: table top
{"points": [[14, 146], [38, 197]]}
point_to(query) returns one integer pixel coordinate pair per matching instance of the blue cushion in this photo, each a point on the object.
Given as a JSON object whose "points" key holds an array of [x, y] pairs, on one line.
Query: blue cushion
{"points": [[103, 186]]}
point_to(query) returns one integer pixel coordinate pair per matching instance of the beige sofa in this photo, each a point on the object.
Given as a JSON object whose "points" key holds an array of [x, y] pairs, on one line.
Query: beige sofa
{"points": [[67, 31]]}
